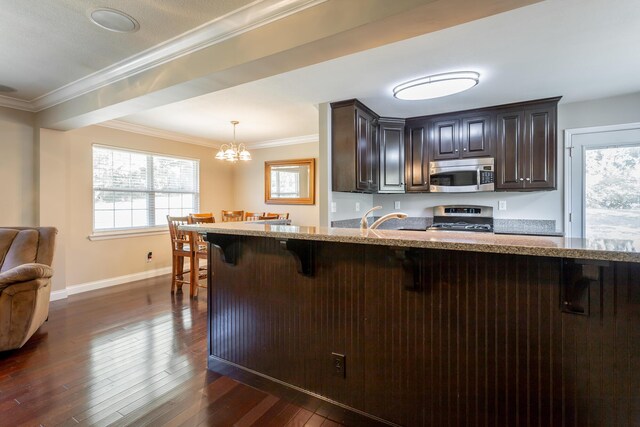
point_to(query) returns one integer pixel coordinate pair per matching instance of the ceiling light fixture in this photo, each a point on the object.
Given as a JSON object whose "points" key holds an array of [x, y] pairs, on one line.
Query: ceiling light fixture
{"points": [[436, 86], [232, 152], [114, 20], [7, 89]]}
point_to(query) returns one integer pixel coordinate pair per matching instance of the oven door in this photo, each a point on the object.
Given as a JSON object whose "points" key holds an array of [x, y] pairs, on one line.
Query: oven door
{"points": [[461, 179]]}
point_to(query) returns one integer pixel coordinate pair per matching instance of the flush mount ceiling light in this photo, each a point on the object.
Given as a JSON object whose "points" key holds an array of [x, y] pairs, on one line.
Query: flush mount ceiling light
{"points": [[436, 85], [232, 152], [114, 20], [7, 89]]}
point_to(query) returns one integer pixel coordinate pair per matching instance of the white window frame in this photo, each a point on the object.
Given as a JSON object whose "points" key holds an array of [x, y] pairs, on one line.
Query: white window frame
{"points": [[118, 233]]}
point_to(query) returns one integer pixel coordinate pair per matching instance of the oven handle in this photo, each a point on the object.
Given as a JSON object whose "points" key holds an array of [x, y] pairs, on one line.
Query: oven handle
{"points": [[478, 177]]}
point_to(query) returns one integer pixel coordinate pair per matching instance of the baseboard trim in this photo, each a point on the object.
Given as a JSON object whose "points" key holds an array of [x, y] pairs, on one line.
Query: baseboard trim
{"points": [[113, 281], [58, 295], [346, 414]]}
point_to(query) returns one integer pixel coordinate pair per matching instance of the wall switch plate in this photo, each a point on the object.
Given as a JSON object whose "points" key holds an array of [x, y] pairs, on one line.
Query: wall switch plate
{"points": [[357, 206], [502, 205], [339, 367], [396, 205], [334, 208]]}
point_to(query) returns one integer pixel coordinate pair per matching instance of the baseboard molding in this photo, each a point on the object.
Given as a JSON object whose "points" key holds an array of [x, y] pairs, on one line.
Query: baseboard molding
{"points": [[113, 281], [57, 295]]}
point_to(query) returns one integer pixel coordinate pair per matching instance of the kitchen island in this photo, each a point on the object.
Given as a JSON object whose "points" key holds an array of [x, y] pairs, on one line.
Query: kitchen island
{"points": [[432, 328]]}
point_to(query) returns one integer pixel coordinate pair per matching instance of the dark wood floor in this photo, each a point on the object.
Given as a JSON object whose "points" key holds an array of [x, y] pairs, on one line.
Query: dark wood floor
{"points": [[133, 355]]}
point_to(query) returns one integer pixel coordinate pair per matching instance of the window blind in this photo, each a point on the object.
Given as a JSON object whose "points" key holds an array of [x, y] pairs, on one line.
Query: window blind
{"points": [[133, 189]]}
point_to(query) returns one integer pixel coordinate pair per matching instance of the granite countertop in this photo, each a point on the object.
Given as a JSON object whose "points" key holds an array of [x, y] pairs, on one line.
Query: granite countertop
{"points": [[608, 250]]}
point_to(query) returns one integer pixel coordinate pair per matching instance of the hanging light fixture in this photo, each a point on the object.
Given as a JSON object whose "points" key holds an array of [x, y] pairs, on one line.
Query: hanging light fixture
{"points": [[233, 152], [436, 85]]}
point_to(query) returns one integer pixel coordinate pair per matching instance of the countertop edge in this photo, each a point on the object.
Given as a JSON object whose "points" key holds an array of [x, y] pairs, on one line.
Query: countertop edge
{"points": [[409, 242]]}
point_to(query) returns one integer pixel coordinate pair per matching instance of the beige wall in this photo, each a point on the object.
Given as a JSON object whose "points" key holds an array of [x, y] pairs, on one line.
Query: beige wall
{"points": [[248, 183], [66, 187], [18, 192]]}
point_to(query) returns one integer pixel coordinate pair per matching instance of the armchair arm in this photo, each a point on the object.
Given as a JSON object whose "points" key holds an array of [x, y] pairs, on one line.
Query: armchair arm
{"points": [[25, 273]]}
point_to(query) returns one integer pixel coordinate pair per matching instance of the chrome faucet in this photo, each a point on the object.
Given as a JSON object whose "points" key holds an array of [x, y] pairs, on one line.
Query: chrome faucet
{"points": [[392, 215], [364, 224]]}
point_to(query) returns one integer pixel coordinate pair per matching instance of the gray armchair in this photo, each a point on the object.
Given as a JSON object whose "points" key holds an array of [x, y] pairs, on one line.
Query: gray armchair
{"points": [[26, 254]]}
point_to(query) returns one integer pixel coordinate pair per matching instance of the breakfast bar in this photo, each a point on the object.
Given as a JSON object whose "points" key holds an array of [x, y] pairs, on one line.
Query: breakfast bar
{"points": [[430, 328]]}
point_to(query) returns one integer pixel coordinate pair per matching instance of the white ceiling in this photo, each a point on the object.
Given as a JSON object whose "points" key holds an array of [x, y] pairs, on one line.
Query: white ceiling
{"points": [[51, 44], [580, 49]]}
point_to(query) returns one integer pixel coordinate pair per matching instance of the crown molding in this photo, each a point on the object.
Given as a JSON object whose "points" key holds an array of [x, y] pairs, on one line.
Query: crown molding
{"points": [[284, 141], [247, 18], [16, 104], [158, 133]]}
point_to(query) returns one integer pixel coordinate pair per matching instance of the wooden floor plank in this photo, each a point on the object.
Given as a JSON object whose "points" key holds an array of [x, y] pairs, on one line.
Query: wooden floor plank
{"points": [[132, 355]]}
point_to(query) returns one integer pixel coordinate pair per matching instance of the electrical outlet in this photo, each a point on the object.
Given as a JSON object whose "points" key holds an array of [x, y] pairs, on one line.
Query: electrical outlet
{"points": [[357, 206], [149, 256], [339, 366], [396, 205], [334, 207], [502, 205]]}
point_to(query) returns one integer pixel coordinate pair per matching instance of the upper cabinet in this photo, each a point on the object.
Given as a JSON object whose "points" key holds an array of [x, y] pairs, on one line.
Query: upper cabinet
{"points": [[372, 154], [457, 136], [417, 155], [476, 134], [354, 147], [526, 146], [391, 137]]}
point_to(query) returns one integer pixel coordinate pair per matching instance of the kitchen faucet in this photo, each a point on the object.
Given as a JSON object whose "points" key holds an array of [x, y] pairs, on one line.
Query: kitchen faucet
{"points": [[364, 224]]}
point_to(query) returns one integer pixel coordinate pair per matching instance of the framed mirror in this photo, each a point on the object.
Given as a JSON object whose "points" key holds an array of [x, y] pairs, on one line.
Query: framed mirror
{"points": [[290, 182]]}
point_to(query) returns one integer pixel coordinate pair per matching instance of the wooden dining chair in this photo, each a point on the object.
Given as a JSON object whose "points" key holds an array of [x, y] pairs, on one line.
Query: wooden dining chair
{"points": [[180, 249], [202, 218], [263, 217], [200, 249], [248, 216], [230, 216], [284, 215]]}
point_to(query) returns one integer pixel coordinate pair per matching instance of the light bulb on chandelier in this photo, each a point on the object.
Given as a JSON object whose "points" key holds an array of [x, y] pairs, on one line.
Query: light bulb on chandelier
{"points": [[233, 152]]}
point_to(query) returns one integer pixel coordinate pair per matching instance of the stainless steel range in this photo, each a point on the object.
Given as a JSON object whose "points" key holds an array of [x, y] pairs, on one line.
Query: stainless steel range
{"points": [[462, 218]]}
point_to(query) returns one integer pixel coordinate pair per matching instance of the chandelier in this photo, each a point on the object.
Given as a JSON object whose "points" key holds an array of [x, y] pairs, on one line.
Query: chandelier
{"points": [[233, 152]]}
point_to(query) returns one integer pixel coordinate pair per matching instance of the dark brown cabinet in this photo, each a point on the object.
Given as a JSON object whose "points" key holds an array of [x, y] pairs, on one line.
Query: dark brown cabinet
{"points": [[476, 135], [354, 147], [455, 136], [391, 138], [444, 138], [526, 146], [417, 155], [369, 154]]}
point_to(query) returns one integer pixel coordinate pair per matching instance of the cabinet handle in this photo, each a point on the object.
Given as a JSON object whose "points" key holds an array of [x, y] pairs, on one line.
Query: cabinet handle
{"points": [[456, 150], [527, 179], [464, 149], [521, 179]]}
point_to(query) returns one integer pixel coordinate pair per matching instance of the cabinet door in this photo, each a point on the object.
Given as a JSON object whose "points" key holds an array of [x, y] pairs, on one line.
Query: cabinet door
{"points": [[417, 159], [540, 148], [391, 136], [476, 135], [445, 139], [373, 161], [510, 150], [363, 150]]}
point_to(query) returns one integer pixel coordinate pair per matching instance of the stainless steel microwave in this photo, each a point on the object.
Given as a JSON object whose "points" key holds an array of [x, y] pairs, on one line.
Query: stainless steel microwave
{"points": [[462, 176]]}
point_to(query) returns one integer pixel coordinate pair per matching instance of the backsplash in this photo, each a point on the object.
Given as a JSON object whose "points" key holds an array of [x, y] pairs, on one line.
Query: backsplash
{"points": [[501, 225]]}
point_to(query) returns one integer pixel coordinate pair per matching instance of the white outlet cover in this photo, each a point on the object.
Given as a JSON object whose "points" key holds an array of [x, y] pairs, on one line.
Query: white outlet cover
{"points": [[396, 205], [502, 205], [357, 206], [334, 207]]}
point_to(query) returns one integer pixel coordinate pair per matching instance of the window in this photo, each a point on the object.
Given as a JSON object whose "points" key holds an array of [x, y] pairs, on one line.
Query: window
{"points": [[133, 189]]}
